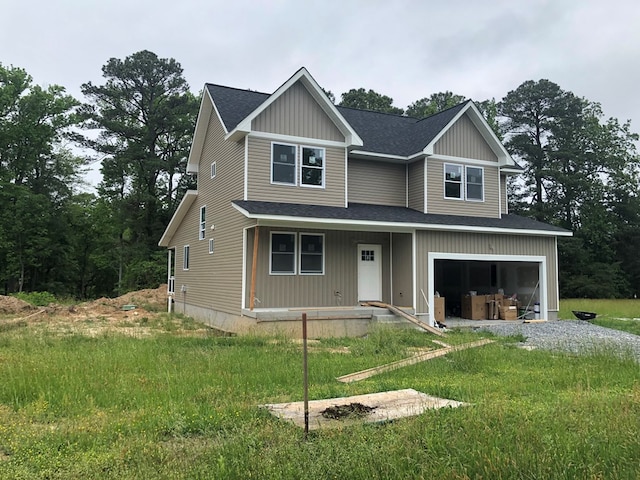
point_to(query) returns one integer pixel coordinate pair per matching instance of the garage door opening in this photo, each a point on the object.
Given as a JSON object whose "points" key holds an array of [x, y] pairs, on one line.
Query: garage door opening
{"points": [[455, 278]]}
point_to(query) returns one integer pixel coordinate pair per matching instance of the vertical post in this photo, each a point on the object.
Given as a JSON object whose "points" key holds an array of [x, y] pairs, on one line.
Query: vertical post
{"points": [[254, 266], [305, 375]]}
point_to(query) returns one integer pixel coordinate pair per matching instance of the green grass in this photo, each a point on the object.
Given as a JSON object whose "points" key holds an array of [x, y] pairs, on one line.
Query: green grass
{"points": [[619, 314], [175, 406]]}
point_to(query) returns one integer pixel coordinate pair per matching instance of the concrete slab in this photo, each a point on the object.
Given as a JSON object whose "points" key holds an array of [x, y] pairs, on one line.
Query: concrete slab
{"points": [[387, 406]]}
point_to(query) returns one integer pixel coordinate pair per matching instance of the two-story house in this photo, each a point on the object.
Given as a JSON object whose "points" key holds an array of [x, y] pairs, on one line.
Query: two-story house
{"points": [[302, 205]]}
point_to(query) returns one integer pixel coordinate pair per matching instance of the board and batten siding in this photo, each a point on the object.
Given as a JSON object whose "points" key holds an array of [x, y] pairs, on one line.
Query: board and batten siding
{"points": [[436, 203], [378, 183], [416, 185], [260, 187], [340, 275], [214, 281], [297, 113], [486, 244], [464, 140]]}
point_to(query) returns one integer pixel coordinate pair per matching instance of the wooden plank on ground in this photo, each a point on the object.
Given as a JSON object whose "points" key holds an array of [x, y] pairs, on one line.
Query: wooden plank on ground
{"points": [[370, 372], [407, 316]]}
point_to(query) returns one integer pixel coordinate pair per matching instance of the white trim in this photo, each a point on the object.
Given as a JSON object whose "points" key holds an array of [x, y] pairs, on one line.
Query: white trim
{"points": [[178, 216], [406, 185], [338, 224], [246, 168], [414, 269], [426, 185], [391, 266], [305, 78], [300, 253], [381, 156], [202, 224], [295, 164], [500, 194], [214, 169], [295, 252], [211, 246], [541, 260], [346, 178], [207, 105], [281, 138], [465, 161]]}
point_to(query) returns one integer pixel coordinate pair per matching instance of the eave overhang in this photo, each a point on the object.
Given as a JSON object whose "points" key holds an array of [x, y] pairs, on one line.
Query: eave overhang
{"points": [[177, 218]]}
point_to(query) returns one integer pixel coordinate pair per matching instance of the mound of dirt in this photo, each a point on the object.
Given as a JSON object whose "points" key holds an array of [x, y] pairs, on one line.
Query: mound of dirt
{"points": [[151, 297], [10, 305]]}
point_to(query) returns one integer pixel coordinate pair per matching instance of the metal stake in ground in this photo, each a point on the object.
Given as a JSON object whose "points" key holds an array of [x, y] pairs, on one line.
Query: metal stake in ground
{"points": [[305, 376]]}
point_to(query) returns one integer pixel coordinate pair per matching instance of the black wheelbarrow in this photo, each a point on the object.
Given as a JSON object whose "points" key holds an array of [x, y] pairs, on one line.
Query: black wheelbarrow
{"points": [[584, 315]]}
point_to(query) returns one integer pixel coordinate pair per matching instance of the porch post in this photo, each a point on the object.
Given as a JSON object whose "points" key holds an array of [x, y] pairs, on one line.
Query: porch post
{"points": [[254, 266]]}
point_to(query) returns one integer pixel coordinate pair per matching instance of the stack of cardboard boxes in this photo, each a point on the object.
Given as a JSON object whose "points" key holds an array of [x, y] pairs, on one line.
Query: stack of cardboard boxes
{"points": [[492, 307]]}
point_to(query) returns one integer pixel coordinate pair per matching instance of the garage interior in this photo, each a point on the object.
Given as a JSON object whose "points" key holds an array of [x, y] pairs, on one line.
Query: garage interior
{"points": [[455, 279]]}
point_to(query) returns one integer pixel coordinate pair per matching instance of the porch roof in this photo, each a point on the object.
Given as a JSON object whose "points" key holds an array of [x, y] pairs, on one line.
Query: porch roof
{"points": [[362, 215]]}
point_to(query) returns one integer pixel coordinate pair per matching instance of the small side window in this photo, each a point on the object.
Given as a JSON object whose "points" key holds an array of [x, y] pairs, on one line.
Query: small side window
{"points": [[185, 258], [203, 223], [211, 245], [213, 169]]}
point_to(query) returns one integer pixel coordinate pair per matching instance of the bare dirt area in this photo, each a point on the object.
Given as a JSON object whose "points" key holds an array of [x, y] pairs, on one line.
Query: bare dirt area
{"points": [[139, 314]]}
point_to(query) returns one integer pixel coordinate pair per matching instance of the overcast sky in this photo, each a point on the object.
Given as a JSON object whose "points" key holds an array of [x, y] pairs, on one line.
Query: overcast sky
{"points": [[401, 48]]}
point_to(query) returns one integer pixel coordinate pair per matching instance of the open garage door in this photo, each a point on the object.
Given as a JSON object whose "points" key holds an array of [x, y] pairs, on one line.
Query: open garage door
{"points": [[454, 275]]}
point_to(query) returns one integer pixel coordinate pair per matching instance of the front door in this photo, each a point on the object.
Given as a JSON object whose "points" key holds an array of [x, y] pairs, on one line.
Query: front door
{"points": [[369, 272]]}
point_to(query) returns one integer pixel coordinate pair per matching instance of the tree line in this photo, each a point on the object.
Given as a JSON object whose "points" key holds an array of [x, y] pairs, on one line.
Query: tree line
{"points": [[580, 171]]}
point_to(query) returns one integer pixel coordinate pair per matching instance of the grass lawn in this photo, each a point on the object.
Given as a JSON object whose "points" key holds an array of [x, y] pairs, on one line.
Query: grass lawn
{"points": [[176, 405], [619, 314]]}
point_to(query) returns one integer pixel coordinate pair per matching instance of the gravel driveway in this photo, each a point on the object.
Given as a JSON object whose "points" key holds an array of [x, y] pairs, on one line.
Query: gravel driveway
{"points": [[574, 336]]}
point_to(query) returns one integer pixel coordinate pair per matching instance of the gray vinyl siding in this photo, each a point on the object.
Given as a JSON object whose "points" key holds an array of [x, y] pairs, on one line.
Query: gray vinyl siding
{"points": [[259, 178], [464, 140], [379, 183], [402, 269], [416, 185], [486, 244], [341, 272], [297, 113], [504, 197], [214, 281], [436, 203]]}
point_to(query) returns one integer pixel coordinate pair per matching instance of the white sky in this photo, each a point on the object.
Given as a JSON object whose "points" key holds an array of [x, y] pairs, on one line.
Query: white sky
{"points": [[406, 49]]}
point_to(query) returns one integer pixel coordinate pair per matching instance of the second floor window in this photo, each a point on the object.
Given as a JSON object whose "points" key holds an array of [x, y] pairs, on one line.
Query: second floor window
{"points": [[474, 183], [203, 223], [463, 182], [297, 165], [453, 181]]}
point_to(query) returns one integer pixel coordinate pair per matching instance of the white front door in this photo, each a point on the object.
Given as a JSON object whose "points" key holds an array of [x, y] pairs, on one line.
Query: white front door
{"points": [[369, 272]]}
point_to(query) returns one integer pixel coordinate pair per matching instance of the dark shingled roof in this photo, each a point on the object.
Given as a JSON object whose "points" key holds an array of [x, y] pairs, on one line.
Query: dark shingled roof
{"points": [[387, 214], [380, 132]]}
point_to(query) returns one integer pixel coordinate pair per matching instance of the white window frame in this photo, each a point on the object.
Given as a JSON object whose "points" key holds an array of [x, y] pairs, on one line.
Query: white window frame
{"points": [[211, 245], [202, 224], [185, 257], [301, 253], [213, 169], [295, 163], [303, 166], [462, 181], [466, 184], [295, 252]]}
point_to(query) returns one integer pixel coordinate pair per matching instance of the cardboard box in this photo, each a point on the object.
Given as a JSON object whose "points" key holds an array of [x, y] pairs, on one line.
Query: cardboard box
{"points": [[438, 309], [508, 312], [474, 307]]}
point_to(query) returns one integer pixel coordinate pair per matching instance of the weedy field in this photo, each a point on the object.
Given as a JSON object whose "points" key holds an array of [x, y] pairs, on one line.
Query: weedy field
{"points": [[156, 396]]}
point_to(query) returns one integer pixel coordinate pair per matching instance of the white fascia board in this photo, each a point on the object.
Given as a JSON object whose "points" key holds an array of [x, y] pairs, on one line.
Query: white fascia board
{"points": [[200, 132], [178, 216], [511, 171], [504, 159], [296, 139], [340, 224], [302, 75], [380, 156]]}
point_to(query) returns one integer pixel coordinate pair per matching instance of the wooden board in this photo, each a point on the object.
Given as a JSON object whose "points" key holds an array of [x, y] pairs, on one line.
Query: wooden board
{"points": [[407, 316]]}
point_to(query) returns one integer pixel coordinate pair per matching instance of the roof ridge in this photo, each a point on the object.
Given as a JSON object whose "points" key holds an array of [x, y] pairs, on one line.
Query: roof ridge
{"points": [[209, 84]]}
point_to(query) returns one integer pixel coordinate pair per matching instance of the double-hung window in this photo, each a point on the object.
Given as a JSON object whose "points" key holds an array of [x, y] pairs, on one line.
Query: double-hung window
{"points": [[203, 223], [297, 165], [312, 171], [311, 254], [453, 181], [283, 163], [283, 253], [474, 183]]}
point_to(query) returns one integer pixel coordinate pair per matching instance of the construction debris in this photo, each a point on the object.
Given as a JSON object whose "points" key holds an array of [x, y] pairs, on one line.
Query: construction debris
{"points": [[406, 316]]}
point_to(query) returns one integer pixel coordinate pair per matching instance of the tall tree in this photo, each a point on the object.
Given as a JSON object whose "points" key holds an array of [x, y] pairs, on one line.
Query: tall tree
{"points": [[146, 115], [435, 103], [369, 100], [37, 177]]}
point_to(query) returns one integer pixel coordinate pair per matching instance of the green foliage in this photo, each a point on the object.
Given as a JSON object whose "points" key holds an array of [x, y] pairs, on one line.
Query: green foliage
{"points": [[437, 102], [39, 299], [369, 100]]}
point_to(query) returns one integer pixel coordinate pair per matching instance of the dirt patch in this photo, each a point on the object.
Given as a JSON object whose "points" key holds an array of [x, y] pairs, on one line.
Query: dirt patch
{"points": [[350, 410], [13, 305]]}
